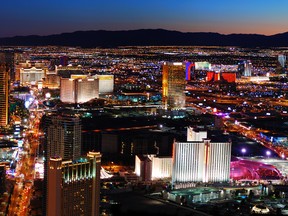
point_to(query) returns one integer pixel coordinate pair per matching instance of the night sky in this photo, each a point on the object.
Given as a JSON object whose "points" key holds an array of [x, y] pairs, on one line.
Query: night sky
{"points": [[44, 17]]}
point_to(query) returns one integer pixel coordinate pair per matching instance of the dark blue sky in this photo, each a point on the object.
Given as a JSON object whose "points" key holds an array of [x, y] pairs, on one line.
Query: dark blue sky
{"points": [[43, 17]]}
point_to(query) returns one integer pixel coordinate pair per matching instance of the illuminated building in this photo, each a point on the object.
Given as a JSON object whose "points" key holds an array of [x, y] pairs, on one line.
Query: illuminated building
{"points": [[200, 161], [253, 170], [106, 83], [151, 167], [63, 136], [196, 134], [51, 80], [190, 66], [31, 75], [213, 76], [74, 186], [62, 139], [143, 167], [173, 85], [229, 77], [161, 167], [78, 90], [66, 72], [282, 60], [245, 68], [281, 66], [4, 90], [9, 59]]}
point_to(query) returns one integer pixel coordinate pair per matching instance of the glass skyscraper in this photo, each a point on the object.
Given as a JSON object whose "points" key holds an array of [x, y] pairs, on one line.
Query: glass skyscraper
{"points": [[4, 88], [173, 85]]}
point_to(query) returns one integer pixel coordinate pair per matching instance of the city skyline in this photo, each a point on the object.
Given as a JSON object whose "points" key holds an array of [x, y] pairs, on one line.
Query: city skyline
{"points": [[225, 17]]}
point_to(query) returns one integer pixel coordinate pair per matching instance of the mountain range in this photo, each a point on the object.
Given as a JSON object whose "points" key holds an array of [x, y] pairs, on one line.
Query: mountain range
{"points": [[147, 37]]}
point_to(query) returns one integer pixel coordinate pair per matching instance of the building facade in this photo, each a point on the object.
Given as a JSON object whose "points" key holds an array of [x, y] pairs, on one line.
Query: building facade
{"points": [[63, 136], [73, 187], [173, 85], [201, 161], [31, 75], [151, 167], [78, 90], [4, 90], [106, 83]]}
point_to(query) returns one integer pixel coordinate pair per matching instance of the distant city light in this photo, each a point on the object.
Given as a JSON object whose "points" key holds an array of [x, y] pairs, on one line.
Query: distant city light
{"points": [[47, 95]]}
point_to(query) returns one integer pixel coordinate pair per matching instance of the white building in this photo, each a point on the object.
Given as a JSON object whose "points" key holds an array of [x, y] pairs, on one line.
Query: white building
{"points": [[199, 160], [151, 167], [78, 90], [161, 167], [31, 75], [195, 135], [106, 83]]}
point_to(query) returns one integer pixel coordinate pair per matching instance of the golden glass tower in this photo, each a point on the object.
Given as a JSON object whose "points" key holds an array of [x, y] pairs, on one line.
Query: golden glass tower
{"points": [[4, 77], [173, 85]]}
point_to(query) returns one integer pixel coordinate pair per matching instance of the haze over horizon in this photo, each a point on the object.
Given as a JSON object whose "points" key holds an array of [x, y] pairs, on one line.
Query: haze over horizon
{"points": [[20, 18]]}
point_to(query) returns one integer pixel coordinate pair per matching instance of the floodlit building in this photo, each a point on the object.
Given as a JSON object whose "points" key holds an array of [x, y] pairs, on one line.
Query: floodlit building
{"points": [[4, 90], [74, 186], [173, 85], [200, 160], [31, 75], [196, 134], [151, 167], [106, 83], [78, 90], [62, 140]]}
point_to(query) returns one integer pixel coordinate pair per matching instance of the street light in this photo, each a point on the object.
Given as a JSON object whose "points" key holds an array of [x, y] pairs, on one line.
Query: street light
{"points": [[268, 153], [243, 150]]}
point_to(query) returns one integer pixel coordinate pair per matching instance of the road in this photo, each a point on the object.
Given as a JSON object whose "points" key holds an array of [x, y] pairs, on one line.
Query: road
{"points": [[25, 169]]}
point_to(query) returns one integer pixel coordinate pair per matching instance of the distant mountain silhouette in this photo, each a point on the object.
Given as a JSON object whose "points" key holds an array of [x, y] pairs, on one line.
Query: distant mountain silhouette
{"points": [[147, 37]]}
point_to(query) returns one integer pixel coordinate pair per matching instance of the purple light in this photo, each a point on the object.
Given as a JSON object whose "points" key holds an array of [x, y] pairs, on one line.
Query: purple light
{"points": [[243, 150], [268, 153]]}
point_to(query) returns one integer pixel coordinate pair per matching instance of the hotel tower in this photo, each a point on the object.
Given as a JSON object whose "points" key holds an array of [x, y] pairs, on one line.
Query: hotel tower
{"points": [[73, 187], [173, 85], [200, 160], [4, 88]]}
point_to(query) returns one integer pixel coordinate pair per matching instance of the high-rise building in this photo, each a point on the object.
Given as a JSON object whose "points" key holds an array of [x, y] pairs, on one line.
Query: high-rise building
{"points": [[152, 167], [282, 60], [282, 65], [74, 186], [10, 60], [2, 178], [78, 90], [106, 83], [62, 139], [247, 68], [200, 161], [66, 72], [196, 134], [63, 136], [244, 68], [173, 85], [4, 90]]}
